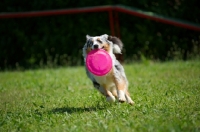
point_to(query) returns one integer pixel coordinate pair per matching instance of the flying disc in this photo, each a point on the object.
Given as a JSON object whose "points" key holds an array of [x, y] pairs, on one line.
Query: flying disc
{"points": [[99, 62]]}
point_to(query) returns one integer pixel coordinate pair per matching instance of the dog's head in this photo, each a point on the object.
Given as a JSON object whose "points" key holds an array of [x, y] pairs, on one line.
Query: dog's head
{"points": [[108, 43]]}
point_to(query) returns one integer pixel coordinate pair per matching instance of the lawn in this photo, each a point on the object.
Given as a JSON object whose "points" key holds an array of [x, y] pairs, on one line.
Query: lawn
{"points": [[166, 95]]}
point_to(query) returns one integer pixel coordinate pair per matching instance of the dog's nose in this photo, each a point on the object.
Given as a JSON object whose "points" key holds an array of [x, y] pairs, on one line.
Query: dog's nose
{"points": [[96, 46]]}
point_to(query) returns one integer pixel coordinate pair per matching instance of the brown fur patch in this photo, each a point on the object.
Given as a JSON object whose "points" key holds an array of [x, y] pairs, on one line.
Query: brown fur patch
{"points": [[106, 46], [120, 84], [114, 92], [88, 50], [127, 93], [109, 77], [108, 93]]}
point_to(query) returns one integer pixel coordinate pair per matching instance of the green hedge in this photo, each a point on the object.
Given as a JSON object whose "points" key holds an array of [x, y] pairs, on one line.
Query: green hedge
{"points": [[58, 40]]}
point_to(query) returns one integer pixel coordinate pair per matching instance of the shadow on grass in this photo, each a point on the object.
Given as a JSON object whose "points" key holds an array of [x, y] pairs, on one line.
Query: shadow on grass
{"points": [[71, 110]]}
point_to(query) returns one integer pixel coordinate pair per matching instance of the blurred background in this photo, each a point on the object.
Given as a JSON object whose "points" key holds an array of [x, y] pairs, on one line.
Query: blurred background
{"points": [[52, 41]]}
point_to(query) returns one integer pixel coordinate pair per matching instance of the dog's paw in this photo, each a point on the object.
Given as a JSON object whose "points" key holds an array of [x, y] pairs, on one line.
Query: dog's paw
{"points": [[121, 96], [122, 100], [131, 102], [110, 99]]}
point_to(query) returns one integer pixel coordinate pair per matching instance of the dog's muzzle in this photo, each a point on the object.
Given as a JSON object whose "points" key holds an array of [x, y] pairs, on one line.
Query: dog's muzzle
{"points": [[96, 46]]}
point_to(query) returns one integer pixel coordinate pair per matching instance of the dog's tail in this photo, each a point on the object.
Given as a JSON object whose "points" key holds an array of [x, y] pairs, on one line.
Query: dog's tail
{"points": [[117, 44], [117, 47]]}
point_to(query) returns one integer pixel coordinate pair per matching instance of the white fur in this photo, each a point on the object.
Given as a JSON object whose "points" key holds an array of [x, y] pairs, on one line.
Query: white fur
{"points": [[110, 99], [121, 96], [116, 49]]}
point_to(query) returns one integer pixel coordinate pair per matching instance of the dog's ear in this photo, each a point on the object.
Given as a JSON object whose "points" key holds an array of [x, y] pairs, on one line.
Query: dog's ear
{"points": [[117, 44], [88, 37], [105, 36]]}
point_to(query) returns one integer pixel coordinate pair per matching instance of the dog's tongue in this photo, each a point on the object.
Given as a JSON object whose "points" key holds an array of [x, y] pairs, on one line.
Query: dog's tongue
{"points": [[99, 62]]}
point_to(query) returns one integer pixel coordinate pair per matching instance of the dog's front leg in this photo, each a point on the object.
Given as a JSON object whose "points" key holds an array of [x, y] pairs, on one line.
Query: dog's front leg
{"points": [[121, 87], [109, 96], [128, 98]]}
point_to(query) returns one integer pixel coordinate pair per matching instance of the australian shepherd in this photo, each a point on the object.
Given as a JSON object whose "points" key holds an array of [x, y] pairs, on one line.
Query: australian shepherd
{"points": [[114, 84]]}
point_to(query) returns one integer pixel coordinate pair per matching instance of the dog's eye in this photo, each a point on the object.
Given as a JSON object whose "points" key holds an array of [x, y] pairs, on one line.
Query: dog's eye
{"points": [[98, 40]]}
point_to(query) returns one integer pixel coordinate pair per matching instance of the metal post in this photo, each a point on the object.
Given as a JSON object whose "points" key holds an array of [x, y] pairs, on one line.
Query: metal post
{"points": [[111, 22], [117, 26]]}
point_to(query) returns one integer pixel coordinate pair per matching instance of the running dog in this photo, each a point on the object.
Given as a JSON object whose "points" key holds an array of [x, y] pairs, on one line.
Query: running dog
{"points": [[114, 84]]}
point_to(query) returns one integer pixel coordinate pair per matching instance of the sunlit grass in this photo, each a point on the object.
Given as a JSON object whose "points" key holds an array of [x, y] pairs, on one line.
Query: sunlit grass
{"points": [[166, 95]]}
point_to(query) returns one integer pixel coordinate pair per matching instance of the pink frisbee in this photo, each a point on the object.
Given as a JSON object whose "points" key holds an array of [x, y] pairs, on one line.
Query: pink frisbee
{"points": [[99, 62]]}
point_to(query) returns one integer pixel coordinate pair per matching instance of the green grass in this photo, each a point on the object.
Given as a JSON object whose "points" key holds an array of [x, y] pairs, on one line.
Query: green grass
{"points": [[166, 95]]}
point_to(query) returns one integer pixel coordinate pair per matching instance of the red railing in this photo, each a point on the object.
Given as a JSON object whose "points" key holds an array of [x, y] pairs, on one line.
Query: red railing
{"points": [[113, 16]]}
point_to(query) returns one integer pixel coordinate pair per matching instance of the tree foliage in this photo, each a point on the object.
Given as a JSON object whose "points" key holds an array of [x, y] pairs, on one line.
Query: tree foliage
{"points": [[58, 40]]}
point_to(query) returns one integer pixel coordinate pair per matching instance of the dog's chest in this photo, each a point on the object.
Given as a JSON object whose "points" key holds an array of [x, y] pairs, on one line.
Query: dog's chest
{"points": [[106, 80]]}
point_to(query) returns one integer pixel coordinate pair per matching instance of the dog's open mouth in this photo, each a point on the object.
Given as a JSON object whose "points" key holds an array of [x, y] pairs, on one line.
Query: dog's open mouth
{"points": [[102, 47]]}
